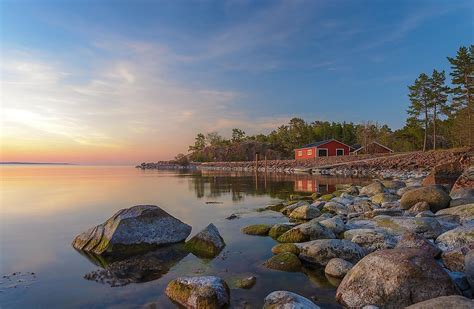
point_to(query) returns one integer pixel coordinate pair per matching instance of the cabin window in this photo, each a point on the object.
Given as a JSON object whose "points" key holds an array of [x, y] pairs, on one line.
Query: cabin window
{"points": [[310, 152], [339, 152], [300, 153], [322, 152]]}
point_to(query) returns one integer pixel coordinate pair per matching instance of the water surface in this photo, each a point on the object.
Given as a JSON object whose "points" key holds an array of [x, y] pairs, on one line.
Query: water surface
{"points": [[44, 207]]}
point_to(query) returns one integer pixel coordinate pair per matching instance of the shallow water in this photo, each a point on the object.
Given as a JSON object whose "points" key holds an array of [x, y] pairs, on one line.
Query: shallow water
{"points": [[44, 207]]}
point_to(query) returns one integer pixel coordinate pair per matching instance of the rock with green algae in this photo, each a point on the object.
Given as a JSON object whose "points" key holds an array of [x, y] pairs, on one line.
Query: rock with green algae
{"points": [[426, 226], [278, 229], [326, 197], [305, 232], [275, 207], [306, 212], [141, 225], [207, 243], [246, 283], [207, 292], [289, 208], [287, 247], [286, 261], [257, 229]]}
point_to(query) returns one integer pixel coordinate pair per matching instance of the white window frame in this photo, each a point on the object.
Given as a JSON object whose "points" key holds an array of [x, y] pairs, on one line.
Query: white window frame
{"points": [[327, 152], [300, 153], [309, 152], [342, 152]]}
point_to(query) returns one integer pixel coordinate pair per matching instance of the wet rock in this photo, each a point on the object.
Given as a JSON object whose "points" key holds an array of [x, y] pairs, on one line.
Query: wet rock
{"points": [[207, 243], [133, 229], [257, 229], [415, 241], [380, 198], [445, 302], [279, 229], [275, 207], [394, 278], [464, 212], [233, 217], [305, 232], [287, 300], [321, 251], [335, 224], [371, 240], [306, 212], [372, 189], [455, 238], [426, 226], [286, 261], [337, 268], [435, 196], [199, 292], [286, 247], [246, 283]]}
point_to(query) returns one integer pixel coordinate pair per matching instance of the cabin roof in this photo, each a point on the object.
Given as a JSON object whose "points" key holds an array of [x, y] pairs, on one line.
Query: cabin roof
{"points": [[317, 144]]}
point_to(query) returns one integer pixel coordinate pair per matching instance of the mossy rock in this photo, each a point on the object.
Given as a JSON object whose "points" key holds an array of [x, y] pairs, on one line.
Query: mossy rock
{"points": [[286, 261], [326, 197], [315, 195], [275, 207], [293, 235], [286, 247], [279, 229], [257, 229], [246, 283], [338, 193]]}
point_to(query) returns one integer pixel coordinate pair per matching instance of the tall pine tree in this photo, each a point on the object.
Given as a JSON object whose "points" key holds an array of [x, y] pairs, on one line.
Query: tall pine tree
{"points": [[420, 97], [463, 91], [439, 97]]}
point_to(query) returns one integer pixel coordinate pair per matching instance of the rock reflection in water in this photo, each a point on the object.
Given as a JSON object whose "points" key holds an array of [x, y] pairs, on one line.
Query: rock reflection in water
{"points": [[120, 270]]}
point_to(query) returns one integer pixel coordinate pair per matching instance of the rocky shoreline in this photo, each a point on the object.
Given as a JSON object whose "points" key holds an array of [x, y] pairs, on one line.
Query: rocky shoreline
{"points": [[395, 243]]}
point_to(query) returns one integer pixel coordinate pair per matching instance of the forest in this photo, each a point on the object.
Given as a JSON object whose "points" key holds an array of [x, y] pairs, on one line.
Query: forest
{"points": [[439, 115]]}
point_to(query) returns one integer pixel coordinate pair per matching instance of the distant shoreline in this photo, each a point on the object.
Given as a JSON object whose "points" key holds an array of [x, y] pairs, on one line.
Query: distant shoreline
{"points": [[34, 163]]}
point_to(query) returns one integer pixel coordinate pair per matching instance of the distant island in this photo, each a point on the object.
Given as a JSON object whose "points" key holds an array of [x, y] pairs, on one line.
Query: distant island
{"points": [[35, 163]]}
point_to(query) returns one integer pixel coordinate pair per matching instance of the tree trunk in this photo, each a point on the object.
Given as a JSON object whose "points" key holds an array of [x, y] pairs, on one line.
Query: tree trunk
{"points": [[469, 111], [426, 129], [434, 126]]}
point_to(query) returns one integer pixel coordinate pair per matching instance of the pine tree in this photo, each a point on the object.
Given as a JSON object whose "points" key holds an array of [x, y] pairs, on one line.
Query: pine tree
{"points": [[439, 97], [420, 97], [463, 91]]}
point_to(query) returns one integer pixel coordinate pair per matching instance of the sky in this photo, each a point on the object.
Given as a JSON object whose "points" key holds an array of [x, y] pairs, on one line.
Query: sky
{"points": [[123, 82]]}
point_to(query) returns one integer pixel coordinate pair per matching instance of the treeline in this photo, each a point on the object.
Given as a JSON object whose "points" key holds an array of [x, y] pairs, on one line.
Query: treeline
{"points": [[439, 116]]}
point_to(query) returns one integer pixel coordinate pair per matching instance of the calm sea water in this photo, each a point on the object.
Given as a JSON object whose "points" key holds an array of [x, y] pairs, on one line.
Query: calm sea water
{"points": [[44, 207]]}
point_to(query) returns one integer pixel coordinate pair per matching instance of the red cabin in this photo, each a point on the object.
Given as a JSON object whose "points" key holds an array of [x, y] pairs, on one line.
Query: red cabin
{"points": [[326, 148]]}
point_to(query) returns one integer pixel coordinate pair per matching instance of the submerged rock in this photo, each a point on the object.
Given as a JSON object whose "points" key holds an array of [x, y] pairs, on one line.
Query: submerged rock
{"points": [[435, 196], [246, 283], [394, 278], [287, 300], [133, 229], [288, 247], [257, 229], [199, 292], [207, 243], [321, 251], [338, 268], [445, 302], [286, 261]]}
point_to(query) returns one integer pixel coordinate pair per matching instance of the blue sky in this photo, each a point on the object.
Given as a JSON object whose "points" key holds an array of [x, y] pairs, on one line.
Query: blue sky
{"points": [[106, 77]]}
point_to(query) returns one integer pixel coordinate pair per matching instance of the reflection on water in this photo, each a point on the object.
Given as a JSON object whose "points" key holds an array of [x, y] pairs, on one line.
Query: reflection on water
{"points": [[44, 207]]}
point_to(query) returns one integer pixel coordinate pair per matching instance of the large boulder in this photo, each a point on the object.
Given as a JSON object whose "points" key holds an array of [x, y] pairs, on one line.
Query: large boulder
{"points": [[307, 231], [371, 239], [455, 238], [464, 185], [394, 278], [464, 212], [425, 226], [306, 212], [207, 243], [199, 292], [132, 229], [321, 251], [445, 302], [446, 173], [372, 189], [287, 300], [435, 196]]}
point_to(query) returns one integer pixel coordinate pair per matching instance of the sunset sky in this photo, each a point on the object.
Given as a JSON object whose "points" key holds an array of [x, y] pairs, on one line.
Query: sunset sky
{"points": [[123, 82]]}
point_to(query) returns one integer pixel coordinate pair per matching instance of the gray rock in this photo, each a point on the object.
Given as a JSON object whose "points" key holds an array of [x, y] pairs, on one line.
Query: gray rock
{"points": [[461, 201], [321, 251], [287, 300], [142, 225], [335, 224], [288, 209], [426, 226], [357, 223], [455, 238], [469, 267], [394, 278], [337, 268], [306, 212], [199, 292], [435, 196], [206, 243], [426, 213], [372, 189], [415, 241], [380, 198], [370, 239], [448, 222], [462, 193], [464, 212], [445, 302], [335, 208]]}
